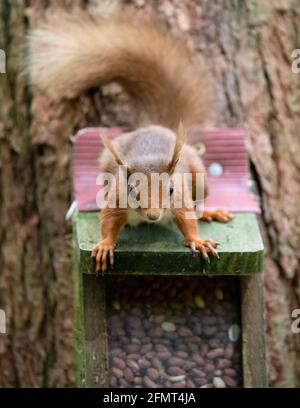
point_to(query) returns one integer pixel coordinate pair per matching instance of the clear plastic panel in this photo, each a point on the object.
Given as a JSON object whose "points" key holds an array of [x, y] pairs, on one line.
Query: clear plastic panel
{"points": [[174, 332]]}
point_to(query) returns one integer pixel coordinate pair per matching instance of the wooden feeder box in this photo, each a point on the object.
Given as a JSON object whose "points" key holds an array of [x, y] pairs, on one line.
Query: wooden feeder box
{"points": [[163, 317]]}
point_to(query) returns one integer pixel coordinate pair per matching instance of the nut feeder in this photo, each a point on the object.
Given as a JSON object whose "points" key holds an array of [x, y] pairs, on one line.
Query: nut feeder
{"points": [[163, 317]]}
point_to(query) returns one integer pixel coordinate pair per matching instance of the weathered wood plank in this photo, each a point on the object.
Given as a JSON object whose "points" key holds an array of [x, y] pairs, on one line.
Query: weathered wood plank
{"points": [[95, 332], [79, 321], [253, 332], [156, 249]]}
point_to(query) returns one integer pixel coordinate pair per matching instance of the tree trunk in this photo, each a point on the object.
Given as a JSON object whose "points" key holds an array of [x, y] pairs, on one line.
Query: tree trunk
{"points": [[248, 48]]}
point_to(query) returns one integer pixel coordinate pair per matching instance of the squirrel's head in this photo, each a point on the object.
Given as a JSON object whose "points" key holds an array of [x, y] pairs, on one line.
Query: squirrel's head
{"points": [[149, 179], [151, 199]]}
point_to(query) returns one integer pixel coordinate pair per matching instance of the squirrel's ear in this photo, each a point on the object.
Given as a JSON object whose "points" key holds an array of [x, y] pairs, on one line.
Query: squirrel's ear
{"points": [[181, 136], [108, 144]]}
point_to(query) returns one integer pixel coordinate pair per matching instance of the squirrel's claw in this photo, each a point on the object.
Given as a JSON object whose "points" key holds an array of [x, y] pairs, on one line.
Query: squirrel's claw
{"points": [[205, 247], [101, 252]]}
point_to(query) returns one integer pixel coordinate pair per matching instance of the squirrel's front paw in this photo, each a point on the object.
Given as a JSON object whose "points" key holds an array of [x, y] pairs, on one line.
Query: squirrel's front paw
{"points": [[101, 252], [205, 247]]}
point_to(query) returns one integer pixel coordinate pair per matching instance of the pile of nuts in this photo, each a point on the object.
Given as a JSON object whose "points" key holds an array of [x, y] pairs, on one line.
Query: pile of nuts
{"points": [[174, 332]]}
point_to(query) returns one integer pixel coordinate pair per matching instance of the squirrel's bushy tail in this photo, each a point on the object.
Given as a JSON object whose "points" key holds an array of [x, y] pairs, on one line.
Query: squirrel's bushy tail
{"points": [[70, 53]]}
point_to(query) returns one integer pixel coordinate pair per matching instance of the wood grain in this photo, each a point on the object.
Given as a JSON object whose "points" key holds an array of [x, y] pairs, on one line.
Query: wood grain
{"points": [[253, 332]]}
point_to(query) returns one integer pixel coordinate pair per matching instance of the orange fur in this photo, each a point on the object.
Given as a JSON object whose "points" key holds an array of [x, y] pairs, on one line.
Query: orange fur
{"points": [[217, 215], [112, 220]]}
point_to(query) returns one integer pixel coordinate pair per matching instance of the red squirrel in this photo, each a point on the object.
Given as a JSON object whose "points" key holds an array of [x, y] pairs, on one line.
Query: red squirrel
{"points": [[72, 52]]}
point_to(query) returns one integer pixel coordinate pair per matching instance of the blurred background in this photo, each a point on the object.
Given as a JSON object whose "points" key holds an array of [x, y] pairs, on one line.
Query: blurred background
{"points": [[248, 46]]}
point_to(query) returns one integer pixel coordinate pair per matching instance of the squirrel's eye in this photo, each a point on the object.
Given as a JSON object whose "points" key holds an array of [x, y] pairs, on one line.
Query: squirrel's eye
{"points": [[171, 190]]}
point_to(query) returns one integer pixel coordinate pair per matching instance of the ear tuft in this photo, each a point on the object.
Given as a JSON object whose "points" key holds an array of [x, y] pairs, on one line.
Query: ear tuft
{"points": [[181, 136], [109, 145]]}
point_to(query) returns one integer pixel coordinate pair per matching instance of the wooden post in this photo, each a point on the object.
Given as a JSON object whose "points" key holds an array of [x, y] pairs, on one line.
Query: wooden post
{"points": [[96, 364], [253, 331]]}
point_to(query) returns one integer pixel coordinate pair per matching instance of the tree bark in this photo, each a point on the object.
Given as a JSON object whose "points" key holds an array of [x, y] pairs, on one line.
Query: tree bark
{"points": [[248, 46]]}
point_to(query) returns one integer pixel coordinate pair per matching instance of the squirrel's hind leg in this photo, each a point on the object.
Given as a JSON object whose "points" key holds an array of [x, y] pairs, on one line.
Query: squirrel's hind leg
{"points": [[196, 167], [217, 215]]}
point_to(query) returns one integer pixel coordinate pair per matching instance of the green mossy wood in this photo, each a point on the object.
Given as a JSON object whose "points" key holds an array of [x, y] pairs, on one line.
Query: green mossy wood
{"points": [[155, 249]]}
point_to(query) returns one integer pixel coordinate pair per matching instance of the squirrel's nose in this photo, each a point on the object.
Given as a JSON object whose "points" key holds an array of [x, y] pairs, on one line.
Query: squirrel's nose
{"points": [[153, 215]]}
